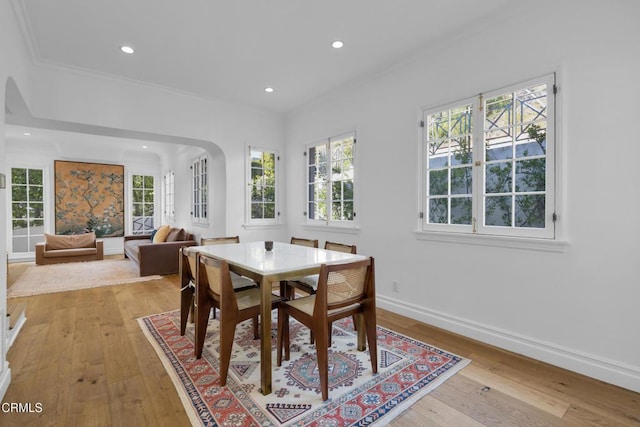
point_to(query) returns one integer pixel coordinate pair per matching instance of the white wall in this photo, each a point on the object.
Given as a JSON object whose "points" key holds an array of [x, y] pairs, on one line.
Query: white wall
{"points": [[577, 308]]}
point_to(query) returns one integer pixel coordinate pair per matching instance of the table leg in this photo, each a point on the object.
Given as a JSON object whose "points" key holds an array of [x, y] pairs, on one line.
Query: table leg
{"points": [[265, 335]]}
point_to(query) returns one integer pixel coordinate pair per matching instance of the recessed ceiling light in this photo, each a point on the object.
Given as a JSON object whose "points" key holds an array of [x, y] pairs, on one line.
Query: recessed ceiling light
{"points": [[26, 134], [127, 49], [145, 146], [268, 89], [337, 44]]}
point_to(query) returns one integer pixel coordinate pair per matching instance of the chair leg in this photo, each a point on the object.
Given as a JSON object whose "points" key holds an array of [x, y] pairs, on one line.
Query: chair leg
{"points": [[186, 308], [372, 337], [202, 319], [227, 334], [322, 351], [256, 328]]}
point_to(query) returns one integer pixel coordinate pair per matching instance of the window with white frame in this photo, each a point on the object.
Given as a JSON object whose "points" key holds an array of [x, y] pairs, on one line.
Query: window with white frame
{"points": [[199, 186], [262, 186], [142, 204], [27, 209], [169, 192], [330, 181], [489, 165]]}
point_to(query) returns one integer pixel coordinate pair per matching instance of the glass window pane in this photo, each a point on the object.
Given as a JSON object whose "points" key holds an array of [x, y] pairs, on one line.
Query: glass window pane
{"points": [[533, 141], [498, 177], [336, 211], [438, 211], [530, 175], [19, 210], [347, 211], [498, 211], [461, 180], [19, 193], [531, 104], [19, 227], [36, 210], [270, 194], [438, 125], [138, 196], [460, 120], [137, 209], [439, 182], [35, 176], [461, 151], [148, 181], [256, 210], [336, 190], [347, 190], [20, 244], [461, 210], [35, 194], [269, 211], [149, 196], [530, 211], [499, 111], [18, 176], [438, 155], [147, 210], [137, 181]]}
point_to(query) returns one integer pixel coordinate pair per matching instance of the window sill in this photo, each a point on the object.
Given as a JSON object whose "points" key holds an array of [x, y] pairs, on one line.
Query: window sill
{"points": [[332, 228], [261, 226], [527, 243]]}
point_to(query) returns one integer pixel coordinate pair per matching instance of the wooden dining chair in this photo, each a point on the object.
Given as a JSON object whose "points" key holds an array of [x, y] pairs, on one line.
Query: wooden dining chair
{"points": [[214, 288], [204, 241], [239, 282], [187, 287], [287, 288], [344, 290], [187, 268]]}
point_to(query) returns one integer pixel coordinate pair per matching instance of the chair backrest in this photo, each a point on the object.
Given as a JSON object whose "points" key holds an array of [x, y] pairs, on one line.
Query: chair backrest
{"points": [[215, 279], [219, 240], [341, 285], [304, 242], [187, 265], [340, 247]]}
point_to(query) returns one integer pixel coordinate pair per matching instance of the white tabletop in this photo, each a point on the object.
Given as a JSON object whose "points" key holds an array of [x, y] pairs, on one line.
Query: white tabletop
{"points": [[282, 258]]}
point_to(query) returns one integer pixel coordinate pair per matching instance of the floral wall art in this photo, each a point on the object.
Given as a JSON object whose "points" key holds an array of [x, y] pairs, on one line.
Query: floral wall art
{"points": [[89, 197]]}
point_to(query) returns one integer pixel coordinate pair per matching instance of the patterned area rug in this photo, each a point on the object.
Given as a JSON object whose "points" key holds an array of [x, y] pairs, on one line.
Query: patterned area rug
{"points": [[46, 279], [408, 369]]}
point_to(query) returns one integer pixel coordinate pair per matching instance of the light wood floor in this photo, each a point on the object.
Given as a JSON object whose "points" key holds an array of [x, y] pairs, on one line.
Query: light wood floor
{"points": [[83, 357]]}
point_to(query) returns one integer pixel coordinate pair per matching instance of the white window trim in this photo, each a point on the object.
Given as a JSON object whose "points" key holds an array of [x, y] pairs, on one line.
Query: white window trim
{"points": [[329, 224], [200, 220], [261, 222], [488, 235], [169, 195]]}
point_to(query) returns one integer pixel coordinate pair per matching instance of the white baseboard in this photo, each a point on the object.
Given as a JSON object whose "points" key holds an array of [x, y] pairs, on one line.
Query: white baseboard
{"points": [[5, 380], [13, 333], [610, 371]]}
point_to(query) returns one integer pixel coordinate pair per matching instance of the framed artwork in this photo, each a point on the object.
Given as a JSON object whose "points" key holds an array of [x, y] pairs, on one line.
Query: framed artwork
{"points": [[89, 197]]}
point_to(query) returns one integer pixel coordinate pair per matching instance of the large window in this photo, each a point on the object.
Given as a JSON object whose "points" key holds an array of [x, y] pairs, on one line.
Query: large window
{"points": [[27, 209], [169, 195], [489, 163], [331, 181], [262, 197], [143, 203], [199, 203]]}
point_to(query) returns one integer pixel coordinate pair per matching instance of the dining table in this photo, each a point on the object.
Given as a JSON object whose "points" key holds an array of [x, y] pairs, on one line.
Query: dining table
{"points": [[266, 267]]}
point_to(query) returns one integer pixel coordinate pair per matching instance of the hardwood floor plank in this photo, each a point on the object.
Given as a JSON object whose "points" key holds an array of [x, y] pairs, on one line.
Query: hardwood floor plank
{"points": [[544, 402], [432, 412]]}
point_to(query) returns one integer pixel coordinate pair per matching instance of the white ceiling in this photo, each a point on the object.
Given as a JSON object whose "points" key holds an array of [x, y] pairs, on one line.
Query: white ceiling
{"points": [[231, 50]]}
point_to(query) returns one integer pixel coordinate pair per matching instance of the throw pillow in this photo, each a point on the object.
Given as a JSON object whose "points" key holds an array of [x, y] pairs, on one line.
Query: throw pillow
{"points": [[161, 234], [176, 235], [153, 233]]}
